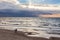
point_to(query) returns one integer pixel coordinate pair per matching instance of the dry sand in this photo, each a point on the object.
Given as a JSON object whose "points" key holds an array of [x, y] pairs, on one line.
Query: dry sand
{"points": [[11, 35]]}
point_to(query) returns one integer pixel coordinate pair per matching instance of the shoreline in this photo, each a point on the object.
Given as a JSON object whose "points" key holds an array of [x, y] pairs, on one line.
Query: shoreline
{"points": [[11, 35]]}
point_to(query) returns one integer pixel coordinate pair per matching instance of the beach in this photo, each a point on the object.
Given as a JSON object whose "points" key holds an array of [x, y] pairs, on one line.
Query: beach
{"points": [[9, 24], [11, 35]]}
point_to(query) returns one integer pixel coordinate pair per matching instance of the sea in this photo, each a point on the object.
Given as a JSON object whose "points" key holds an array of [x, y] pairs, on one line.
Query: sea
{"points": [[50, 27], [30, 21], [54, 21]]}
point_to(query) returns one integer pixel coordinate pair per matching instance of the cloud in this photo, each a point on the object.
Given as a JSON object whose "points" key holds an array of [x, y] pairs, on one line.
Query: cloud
{"points": [[11, 1], [9, 4], [15, 4]]}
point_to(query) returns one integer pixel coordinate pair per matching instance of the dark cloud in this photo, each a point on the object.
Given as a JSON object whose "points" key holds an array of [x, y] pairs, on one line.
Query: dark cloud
{"points": [[23, 13]]}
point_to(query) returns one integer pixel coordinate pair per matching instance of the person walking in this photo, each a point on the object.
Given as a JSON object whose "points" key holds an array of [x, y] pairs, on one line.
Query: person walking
{"points": [[15, 30]]}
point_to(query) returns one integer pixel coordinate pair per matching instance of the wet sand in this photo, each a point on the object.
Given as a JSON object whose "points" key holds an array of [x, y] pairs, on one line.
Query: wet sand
{"points": [[11, 35]]}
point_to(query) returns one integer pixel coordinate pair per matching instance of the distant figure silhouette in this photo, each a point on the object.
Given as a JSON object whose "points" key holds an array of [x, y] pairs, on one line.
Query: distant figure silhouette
{"points": [[15, 30]]}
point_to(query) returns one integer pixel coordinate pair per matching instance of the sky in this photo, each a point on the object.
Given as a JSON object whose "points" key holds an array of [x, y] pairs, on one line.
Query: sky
{"points": [[6, 5], [42, 1]]}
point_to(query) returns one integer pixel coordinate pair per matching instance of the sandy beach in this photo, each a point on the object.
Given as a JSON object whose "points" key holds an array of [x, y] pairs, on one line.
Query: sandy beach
{"points": [[11, 35]]}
